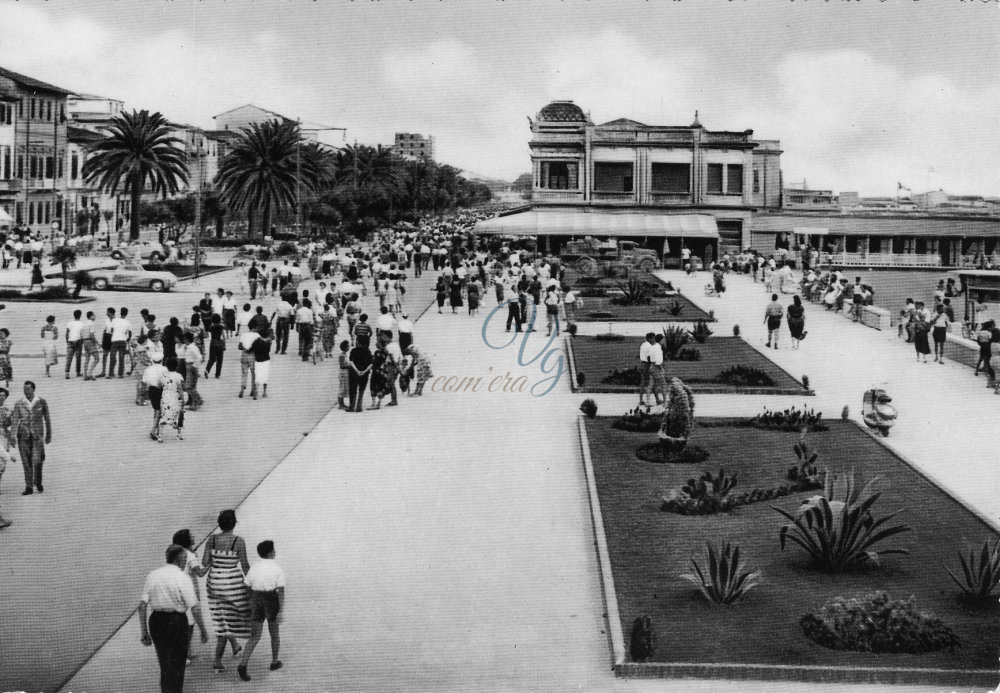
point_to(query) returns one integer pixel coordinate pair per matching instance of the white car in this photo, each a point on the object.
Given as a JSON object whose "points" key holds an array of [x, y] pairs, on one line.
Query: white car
{"points": [[144, 249], [127, 274]]}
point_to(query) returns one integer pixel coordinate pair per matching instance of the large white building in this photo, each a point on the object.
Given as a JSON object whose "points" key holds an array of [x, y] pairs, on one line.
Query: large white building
{"points": [[238, 118]]}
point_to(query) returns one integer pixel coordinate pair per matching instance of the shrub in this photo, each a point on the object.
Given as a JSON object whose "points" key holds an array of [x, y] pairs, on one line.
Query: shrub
{"points": [[674, 339], [678, 416], [840, 534], [610, 337], [805, 381], [286, 248], [581, 379], [725, 582], [876, 623], [790, 419], [81, 280], [601, 315], [634, 292], [589, 407], [638, 420], [588, 280], [628, 376], [736, 330], [981, 574], [571, 329], [654, 452], [48, 293], [675, 308], [806, 467], [688, 355], [642, 643], [593, 292], [744, 376], [701, 333]]}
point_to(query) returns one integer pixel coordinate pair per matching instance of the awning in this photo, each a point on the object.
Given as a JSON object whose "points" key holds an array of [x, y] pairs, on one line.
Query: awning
{"points": [[5, 218], [541, 223], [879, 225], [811, 230]]}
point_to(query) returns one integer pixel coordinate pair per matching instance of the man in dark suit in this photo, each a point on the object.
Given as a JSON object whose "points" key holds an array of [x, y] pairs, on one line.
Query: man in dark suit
{"points": [[32, 428]]}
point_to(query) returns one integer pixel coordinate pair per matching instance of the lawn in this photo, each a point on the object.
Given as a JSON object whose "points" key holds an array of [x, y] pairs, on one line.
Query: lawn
{"points": [[596, 359], [649, 548], [601, 309]]}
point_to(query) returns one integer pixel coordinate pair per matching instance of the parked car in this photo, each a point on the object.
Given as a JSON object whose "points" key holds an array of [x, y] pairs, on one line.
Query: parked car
{"points": [[150, 250], [127, 274]]}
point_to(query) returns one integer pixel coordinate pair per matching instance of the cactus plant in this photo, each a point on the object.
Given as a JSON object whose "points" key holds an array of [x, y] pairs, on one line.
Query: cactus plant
{"points": [[589, 408], [678, 417]]}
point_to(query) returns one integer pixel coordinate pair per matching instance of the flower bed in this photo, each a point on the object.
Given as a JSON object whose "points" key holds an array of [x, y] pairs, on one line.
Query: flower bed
{"points": [[599, 359], [659, 310], [649, 549]]}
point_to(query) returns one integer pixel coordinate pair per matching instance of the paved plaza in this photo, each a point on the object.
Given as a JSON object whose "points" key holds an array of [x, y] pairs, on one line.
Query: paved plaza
{"points": [[442, 545]]}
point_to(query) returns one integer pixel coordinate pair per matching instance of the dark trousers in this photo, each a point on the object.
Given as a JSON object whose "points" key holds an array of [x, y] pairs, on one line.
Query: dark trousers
{"points": [[216, 350], [418, 264], [281, 328], [32, 452], [117, 349], [253, 288], [305, 340], [169, 631], [74, 349], [356, 386], [405, 340], [514, 315]]}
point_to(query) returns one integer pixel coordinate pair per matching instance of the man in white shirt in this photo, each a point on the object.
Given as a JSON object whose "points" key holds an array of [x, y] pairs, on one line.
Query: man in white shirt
{"points": [[247, 360], [384, 325], [193, 360], [284, 313], [304, 318], [152, 378], [657, 381], [645, 359], [169, 594], [74, 342], [284, 274], [266, 581], [405, 329], [121, 332]]}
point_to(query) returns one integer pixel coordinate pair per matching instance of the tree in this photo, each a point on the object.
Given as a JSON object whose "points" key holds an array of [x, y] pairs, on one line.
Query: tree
{"points": [[139, 153], [522, 183], [65, 257], [259, 174]]}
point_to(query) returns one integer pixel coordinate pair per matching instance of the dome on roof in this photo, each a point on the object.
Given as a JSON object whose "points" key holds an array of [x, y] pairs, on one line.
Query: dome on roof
{"points": [[563, 111]]}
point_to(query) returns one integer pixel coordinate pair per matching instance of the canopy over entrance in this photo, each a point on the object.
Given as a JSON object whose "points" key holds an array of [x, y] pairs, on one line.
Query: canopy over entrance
{"points": [[536, 223]]}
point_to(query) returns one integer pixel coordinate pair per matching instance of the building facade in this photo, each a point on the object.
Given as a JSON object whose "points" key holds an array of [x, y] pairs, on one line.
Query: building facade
{"points": [[243, 116], [35, 187], [627, 165], [413, 147]]}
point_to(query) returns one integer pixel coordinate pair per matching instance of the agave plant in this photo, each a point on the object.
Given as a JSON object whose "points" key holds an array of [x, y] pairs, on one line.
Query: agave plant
{"points": [[701, 333], [725, 583], [840, 534], [982, 573], [634, 292], [674, 339], [678, 417]]}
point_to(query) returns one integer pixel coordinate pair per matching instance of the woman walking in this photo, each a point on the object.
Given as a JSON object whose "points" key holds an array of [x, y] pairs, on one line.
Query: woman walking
{"points": [[796, 321], [939, 331], [172, 401], [921, 330], [474, 292], [50, 333], [442, 293], [421, 369], [455, 297], [216, 346], [983, 338], [6, 370], [343, 384], [225, 558], [328, 329], [383, 373]]}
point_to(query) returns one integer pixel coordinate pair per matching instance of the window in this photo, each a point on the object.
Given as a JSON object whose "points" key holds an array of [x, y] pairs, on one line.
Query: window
{"points": [[559, 175], [33, 167], [672, 178], [62, 113], [6, 163], [20, 166], [48, 111], [20, 114], [48, 167], [613, 177], [19, 214], [734, 184], [756, 180], [714, 183], [48, 215], [31, 212], [59, 172]]}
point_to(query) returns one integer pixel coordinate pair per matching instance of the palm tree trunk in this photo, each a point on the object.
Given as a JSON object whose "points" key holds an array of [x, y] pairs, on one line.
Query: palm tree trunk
{"points": [[266, 223], [249, 223], [135, 194]]}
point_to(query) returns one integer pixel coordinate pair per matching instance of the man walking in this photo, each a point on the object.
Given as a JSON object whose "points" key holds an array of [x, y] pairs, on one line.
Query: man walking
{"points": [[168, 594], [285, 314], [247, 361], [74, 342], [32, 429], [121, 332]]}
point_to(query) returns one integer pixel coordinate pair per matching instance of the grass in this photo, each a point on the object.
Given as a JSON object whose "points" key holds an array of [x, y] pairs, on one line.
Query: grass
{"points": [[650, 548], [597, 358]]}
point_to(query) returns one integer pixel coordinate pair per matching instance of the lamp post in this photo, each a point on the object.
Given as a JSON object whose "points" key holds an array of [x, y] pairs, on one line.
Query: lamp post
{"points": [[199, 155]]}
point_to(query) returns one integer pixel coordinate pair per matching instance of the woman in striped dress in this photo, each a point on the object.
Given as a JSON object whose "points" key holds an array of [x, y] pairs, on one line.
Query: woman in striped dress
{"points": [[225, 558]]}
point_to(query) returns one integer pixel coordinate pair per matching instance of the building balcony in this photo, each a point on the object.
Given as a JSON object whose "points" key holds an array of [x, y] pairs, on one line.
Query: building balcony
{"points": [[620, 197], [556, 196], [883, 259], [665, 198]]}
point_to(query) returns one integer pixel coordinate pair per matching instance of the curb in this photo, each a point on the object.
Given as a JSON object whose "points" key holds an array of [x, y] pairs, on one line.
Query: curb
{"points": [[603, 558]]}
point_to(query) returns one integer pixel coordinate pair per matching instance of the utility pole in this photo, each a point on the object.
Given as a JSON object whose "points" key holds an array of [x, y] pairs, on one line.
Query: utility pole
{"points": [[298, 176]]}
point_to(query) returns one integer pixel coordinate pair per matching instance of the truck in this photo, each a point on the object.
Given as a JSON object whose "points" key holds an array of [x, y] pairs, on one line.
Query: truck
{"points": [[588, 254]]}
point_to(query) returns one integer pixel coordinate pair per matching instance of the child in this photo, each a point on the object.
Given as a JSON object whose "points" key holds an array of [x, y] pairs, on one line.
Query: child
{"points": [[342, 386], [140, 361], [266, 581]]}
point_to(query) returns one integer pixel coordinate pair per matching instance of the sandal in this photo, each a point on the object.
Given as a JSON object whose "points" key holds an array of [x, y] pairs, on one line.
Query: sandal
{"points": [[219, 667]]}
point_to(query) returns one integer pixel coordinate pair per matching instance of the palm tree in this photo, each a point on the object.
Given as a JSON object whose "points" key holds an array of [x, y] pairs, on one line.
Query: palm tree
{"points": [[260, 171], [138, 154]]}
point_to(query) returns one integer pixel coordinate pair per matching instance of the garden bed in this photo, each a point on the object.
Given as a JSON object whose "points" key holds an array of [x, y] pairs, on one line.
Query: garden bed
{"points": [[596, 359], [656, 311], [760, 636]]}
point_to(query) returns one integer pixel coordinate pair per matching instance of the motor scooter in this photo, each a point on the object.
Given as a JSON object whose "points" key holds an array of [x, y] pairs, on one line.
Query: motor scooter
{"points": [[877, 410]]}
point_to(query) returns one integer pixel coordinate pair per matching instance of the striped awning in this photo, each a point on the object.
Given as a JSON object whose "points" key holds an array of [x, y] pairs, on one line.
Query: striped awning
{"points": [[542, 223]]}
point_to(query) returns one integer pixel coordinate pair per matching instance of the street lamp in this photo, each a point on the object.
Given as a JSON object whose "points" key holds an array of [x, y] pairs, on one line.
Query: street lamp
{"points": [[199, 155]]}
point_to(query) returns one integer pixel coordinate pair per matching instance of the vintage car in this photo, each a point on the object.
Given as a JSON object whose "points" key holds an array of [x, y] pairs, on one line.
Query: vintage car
{"points": [[588, 254], [127, 274], [150, 250]]}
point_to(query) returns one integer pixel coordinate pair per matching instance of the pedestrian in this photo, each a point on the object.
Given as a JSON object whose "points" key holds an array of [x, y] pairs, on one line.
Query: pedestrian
{"points": [[984, 337], [421, 368], [194, 570], [247, 362], [266, 581], [170, 336], [106, 341], [74, 342], [253, 277], [261, 350], [657, 382], [772, 318], [36, 277], [921, 330], [121, 332], [363, 332], [172, 402], [441, 292], [225, 558], [243, 318], [32, 428], [285, 314], [344, 375], [91, 347], [304, 319], [328, 329], [229, 313], [152, 378], [216, 346], [361, 368], [140, 364], [166, 598], [405, 329], [455, 296], [719, 282], [384, 325], [796, 321], [6, 443], [49, 335], [551, 310], [939, 331], [194, 360]]}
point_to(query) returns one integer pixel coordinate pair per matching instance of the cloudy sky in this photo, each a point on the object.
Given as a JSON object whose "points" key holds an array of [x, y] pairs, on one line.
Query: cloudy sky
{"points": [[862, 94]]}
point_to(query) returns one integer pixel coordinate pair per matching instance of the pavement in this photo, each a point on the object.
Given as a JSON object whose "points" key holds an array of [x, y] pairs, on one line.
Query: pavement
{"points": [[442, 545]]}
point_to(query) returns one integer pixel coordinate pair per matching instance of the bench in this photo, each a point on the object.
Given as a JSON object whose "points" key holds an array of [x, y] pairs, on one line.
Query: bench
{"points": [[878, 318]]}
